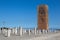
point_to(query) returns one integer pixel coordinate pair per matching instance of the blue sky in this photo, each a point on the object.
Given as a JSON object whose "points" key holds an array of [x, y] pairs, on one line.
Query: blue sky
{"points": [[24, 13]]}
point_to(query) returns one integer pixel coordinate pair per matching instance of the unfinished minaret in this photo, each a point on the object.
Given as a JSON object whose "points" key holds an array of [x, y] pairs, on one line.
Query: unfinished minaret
{"points": [[42, 17]]}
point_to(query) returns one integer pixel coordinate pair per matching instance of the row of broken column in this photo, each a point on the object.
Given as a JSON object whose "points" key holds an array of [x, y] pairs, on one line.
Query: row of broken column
{"points": [[20, 31]]}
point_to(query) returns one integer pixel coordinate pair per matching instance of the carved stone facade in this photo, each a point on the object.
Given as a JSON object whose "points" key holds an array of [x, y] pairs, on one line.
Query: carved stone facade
{"points": [[43, 17]]}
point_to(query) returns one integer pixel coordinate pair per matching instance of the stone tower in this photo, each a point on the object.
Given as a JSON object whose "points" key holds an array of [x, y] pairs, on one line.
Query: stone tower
{"points": [[42, 17]]}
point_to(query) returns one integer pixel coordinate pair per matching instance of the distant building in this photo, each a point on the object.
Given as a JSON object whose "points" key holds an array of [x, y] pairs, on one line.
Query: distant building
{"points": [[42, 17]]}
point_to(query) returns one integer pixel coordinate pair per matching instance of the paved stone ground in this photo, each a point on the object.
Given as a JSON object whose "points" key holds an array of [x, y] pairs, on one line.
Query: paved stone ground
{"points": [[55, 38], [48, 36]]}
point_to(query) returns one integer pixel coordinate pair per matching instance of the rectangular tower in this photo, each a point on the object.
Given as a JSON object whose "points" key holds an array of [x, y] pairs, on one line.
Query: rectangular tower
{"points": [[42, 17]]}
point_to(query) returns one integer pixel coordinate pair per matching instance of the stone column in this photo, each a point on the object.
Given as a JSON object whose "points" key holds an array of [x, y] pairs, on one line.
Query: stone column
{"points": [[35, 31], [8, 32], [24, 31], [21, 31], [39, 31], [43, 31], [5, 32], [29, 31], [0, 30], [15, 31], [46, 31]]}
